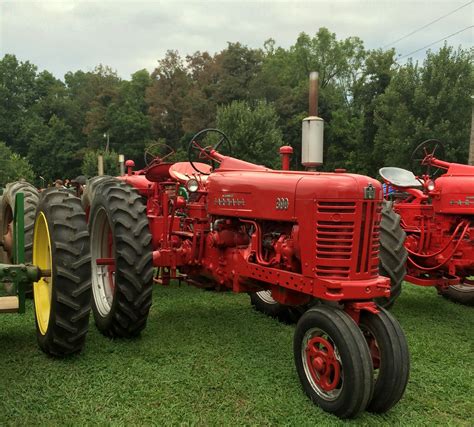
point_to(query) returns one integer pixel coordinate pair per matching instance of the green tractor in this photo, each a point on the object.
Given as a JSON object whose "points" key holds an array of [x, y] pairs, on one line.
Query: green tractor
{"points": [[44, 251]]}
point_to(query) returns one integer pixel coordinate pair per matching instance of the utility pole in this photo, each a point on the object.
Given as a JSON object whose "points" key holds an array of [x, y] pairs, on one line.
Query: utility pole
{"points": [[471, 145]]}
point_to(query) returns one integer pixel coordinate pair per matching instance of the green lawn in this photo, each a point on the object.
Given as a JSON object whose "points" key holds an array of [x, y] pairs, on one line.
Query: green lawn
{"points": [[209, 359]]}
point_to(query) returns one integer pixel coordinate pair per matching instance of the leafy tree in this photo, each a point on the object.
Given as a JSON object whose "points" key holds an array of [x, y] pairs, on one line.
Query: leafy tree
{"points": [[13, 167], [353, 123], [129, 124], [17, 95], [89, 163], [284, 80], [432, 101], [238, 65], [55, 152], [93, 92], [253, 131], [166, 98]]}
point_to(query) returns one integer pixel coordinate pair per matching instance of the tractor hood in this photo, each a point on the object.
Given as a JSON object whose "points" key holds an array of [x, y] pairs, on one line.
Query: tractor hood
{"points": [[273, 195]]}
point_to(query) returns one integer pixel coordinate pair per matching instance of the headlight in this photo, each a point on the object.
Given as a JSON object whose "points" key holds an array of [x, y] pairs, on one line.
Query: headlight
{"points": [[192, 185], [430, 185]]}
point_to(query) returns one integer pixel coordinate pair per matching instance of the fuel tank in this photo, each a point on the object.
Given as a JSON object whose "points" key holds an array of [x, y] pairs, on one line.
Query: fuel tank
{"points": [[274, 195]]}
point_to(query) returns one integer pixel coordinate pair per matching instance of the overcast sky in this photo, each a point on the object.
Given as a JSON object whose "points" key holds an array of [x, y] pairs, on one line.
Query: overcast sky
{"points": [[62, 36]]}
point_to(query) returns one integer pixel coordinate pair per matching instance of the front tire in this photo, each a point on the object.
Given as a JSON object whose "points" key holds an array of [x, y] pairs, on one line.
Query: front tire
{"points": [[62, 300], [391, 360], [333, 361], [462, 293], [393, 254], [121, 259]]}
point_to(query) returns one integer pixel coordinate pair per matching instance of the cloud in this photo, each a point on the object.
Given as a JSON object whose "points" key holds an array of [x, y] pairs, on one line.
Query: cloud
{"points": [[63, 36]]}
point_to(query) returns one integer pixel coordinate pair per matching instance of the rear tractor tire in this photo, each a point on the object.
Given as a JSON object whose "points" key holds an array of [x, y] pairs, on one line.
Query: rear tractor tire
{"points": [[89, 191], [393, 255], [7, 210], [333, 361], [264, 302], [121, 260], [61, 299]]}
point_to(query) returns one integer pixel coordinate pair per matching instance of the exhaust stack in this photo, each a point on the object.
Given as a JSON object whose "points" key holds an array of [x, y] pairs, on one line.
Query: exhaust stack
{"points": [[312, 129]]}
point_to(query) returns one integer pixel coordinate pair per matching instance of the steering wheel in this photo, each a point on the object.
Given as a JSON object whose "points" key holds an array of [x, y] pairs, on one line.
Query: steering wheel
{"points": [[152, 153], [430, 147], [203, 143]]}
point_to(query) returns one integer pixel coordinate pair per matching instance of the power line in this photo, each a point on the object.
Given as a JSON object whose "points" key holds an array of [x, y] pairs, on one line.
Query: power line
{"points": [[437, 41], [427, 25]]}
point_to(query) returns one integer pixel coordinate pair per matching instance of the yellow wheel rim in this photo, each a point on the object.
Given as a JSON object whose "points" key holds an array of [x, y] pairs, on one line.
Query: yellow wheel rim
{"points": [[42, 258]]}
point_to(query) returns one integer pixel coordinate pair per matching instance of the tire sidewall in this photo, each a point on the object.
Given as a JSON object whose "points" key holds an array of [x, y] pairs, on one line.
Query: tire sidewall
{"points": [[316, 318], [104, 322]]}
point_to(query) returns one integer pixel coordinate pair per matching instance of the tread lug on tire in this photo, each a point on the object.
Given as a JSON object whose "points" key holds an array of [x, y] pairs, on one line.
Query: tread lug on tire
{"points": [[391, 359], [333, 361], [62, 300], [393, 254], [122, 280]]}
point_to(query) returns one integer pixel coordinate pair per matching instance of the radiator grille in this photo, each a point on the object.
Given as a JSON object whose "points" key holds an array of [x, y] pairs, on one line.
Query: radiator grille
{"points": [[347, 239]]}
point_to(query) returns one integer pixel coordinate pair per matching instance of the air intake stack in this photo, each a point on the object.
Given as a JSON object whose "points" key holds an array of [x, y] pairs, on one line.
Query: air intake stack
{"points": [[313, 129]]}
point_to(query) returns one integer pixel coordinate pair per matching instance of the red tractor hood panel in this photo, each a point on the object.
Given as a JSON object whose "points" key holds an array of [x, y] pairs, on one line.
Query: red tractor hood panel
{"points": [[455, 194], [272, 195]]}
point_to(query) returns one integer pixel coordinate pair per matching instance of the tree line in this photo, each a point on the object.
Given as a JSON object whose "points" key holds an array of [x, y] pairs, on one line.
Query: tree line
{"points": [[375, 110]]}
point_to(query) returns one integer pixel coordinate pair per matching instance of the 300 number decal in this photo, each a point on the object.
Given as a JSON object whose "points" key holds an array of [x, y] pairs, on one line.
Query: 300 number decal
{"points": [[282, 203]]}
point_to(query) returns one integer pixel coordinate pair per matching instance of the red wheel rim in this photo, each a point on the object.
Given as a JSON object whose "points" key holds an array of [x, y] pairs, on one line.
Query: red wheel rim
{"points": [[111, 266], [323, 365]]}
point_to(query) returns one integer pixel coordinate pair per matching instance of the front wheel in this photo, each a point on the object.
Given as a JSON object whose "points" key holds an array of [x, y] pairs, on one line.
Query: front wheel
{"points": [[390, 358], [62, 296], [121, 259], [333, 361], [462, 293]]}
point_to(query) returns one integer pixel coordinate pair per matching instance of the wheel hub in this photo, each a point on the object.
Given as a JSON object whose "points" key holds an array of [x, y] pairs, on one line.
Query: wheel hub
{"points": [[323, 365]]}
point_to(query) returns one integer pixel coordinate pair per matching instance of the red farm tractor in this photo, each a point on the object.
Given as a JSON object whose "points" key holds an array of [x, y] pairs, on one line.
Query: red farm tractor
{"points": [[245, 228], [437, 212]]}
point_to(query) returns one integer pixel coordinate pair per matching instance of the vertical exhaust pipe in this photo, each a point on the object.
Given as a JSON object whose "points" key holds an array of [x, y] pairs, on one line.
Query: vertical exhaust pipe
{"points": [[313, 93], [312, 137]]}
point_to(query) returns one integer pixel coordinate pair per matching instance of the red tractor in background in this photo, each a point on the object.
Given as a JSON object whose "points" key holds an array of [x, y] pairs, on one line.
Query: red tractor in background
{"points": [[437, 213], [222, 223]]}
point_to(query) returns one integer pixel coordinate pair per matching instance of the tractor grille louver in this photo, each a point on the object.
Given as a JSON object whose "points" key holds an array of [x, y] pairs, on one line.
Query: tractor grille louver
{"points": [[347, 239]]}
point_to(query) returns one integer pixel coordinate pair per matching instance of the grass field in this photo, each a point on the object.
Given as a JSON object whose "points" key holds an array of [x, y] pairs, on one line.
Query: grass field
{"points": [[209, 359]]}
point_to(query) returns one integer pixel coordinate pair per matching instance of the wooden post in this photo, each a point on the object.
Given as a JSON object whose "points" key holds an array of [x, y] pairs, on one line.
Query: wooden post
{"points": [[100, 164], [121, 159]]}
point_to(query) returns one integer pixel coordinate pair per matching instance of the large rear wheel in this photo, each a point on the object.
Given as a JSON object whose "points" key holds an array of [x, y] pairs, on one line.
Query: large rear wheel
{"points": [[7, 210], [333, 361], [393, 254], [61, 251], [121, 258]]}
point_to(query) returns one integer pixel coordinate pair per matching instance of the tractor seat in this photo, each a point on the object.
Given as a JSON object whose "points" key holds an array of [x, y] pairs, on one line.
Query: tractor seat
{"points": [[157, 172], [399, 177], [183, 171]]}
